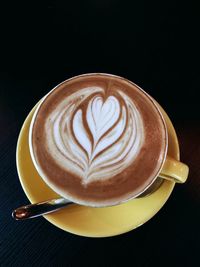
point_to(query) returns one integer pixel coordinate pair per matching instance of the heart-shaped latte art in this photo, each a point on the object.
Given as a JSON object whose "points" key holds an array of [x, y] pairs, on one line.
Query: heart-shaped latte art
{"points": [[96, 142], [101, 116]]}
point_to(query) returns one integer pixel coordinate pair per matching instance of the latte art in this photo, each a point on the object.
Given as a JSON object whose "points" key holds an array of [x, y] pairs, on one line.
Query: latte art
{"points": [[94, 136], [98, 140]]}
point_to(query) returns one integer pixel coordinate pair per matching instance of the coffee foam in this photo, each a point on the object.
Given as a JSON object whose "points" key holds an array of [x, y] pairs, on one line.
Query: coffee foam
{"points": [[98, 140], [92, 136]]}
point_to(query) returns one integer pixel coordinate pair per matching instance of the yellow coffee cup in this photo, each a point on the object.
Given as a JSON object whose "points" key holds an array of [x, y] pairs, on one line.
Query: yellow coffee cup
{"points": [[165, 167]]}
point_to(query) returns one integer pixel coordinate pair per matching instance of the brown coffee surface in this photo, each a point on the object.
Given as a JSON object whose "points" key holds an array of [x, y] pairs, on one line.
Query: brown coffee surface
{"points": [[98, 139]]}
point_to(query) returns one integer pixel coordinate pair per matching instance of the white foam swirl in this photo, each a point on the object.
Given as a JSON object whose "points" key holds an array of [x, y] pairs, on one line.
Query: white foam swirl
{"points": [[98, 141]]}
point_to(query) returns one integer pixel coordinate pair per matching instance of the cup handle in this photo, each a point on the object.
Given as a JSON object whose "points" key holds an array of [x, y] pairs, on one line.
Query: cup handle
{"points": [[174, 170]]}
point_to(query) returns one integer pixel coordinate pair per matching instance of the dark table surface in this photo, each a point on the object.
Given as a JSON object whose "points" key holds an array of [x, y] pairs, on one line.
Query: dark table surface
{"points": [[154, 45]]}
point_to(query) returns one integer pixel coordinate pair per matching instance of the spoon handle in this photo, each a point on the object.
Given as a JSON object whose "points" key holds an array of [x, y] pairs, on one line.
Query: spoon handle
{"points": [[38, 209]]}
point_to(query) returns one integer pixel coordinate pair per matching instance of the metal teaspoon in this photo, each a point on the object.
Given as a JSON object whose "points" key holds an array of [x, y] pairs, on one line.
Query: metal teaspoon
{"points": [[41, 208]]}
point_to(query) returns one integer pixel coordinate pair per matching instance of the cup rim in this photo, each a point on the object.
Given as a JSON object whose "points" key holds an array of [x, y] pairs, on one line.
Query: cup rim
{"points": [[40, 172]]}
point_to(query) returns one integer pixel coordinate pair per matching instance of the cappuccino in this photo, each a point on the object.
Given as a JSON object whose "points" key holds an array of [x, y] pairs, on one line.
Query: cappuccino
{"points": [[98, 139]]}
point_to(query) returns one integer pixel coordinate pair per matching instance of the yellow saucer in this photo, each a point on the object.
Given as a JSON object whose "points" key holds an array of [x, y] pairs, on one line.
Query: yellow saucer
{"points": [[86, 221]]}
